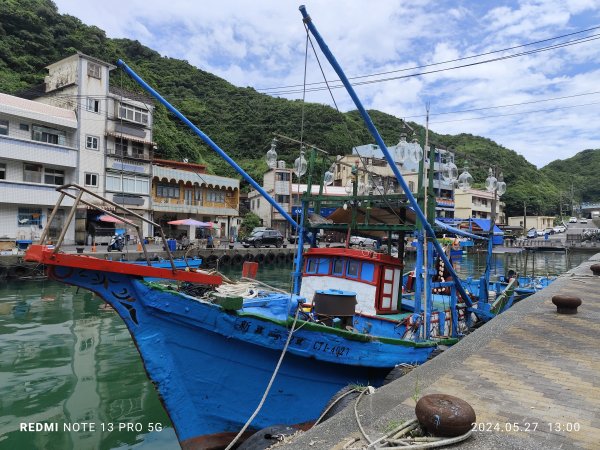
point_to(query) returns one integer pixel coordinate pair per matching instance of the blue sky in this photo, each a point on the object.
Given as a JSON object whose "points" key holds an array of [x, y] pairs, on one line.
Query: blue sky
{"points": [[261, 44]]}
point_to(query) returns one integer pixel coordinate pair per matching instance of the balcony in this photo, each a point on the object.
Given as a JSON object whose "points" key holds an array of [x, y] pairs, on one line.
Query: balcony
{"points": [[22, 193], [127, 163], [37, 152], [163, 205]]}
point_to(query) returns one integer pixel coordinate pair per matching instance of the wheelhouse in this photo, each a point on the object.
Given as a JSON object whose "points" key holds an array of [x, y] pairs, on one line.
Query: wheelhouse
{"points": [[375, 277]]}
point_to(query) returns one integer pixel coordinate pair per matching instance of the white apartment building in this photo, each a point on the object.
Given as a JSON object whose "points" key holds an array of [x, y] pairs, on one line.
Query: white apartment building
{"points": [[114, 136], [38, 151], [477, 204]]}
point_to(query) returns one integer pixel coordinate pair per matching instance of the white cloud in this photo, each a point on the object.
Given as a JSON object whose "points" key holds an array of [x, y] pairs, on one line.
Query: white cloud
{"points": [[261, 44]]}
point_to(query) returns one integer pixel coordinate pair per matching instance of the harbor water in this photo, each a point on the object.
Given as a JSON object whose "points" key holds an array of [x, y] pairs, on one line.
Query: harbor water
{"points": [[69, 366]]}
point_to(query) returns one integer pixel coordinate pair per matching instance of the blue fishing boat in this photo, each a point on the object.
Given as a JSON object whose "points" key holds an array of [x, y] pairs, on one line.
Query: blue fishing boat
{"points": [[228, 362]]}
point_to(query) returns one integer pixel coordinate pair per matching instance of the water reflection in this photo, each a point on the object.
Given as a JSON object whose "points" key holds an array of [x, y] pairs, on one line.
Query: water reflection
{"points": [[64, 359]]}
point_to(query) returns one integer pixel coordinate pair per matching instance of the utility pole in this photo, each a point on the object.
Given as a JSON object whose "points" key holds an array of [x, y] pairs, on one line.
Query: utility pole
{"points": [[525, 216]]}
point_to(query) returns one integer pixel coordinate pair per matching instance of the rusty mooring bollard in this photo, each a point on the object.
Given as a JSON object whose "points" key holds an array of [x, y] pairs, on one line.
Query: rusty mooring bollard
{"points": [[595, 268], [566, 304], [444, 415]]}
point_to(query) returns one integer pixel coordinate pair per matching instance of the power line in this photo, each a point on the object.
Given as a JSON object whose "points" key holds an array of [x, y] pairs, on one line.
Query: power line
{"points": [[518, 113], [440, 63], [501, 58]]}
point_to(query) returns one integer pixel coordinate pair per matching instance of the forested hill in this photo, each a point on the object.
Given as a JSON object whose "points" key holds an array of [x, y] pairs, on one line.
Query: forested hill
{"points": [[579, 174], [240, 120]]}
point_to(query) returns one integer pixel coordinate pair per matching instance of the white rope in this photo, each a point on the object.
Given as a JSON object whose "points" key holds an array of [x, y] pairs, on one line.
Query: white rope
{"points": [[268, 389]]}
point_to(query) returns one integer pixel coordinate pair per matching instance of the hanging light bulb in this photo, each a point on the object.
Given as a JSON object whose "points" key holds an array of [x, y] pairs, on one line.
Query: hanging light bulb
{"points": [[349, 187], [450, 172], [272, 155], [328, 176], [465, 180], [361, 188], [300, 165], [501, 186], [491, 183], [416, 151], [403, 149]]}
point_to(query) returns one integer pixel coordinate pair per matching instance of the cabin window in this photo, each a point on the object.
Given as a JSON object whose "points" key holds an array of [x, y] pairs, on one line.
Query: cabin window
{"points": [[367, 272], [323, 266], [311, 265], [338, 267], [353, 267]]}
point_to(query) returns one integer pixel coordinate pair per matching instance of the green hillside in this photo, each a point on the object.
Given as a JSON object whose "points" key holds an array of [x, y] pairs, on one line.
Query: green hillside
{"points": [[578, 174], [240, 120]]}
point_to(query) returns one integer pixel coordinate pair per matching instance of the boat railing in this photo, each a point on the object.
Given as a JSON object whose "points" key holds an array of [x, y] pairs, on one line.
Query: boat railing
{"points": [[77, 192]]}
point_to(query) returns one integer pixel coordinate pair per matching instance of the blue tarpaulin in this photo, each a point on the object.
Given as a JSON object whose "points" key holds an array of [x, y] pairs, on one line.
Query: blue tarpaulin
{"points": [[484, 224]]}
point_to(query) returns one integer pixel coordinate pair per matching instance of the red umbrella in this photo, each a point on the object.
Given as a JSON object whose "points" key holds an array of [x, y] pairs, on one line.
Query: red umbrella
{"points": [[107, 218]]}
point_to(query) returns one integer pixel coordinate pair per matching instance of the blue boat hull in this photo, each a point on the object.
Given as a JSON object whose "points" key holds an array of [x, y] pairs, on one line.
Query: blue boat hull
{"points": [[211, 367]]}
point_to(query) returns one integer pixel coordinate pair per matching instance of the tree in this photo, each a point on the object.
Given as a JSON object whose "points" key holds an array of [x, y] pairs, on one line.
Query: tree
{"points": [[249, 222]]}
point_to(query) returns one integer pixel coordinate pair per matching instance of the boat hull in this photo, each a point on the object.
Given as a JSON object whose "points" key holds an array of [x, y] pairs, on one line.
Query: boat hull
{"points": [[211, 367]]}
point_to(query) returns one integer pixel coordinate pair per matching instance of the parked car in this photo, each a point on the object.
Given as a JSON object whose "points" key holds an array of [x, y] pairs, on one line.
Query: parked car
{"points": [[362, 241], [573, 220], [583, 220], [264, 238], [560, 229], [532, 233], [549, 231], [293, 238], [540, 233]]}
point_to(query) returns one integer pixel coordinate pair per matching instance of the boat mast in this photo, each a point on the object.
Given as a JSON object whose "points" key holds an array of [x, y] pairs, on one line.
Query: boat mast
{"points": [[375, 133]]}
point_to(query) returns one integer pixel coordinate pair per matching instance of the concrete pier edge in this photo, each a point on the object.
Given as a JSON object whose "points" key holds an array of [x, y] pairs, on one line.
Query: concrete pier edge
{"points": [[393, 404]]}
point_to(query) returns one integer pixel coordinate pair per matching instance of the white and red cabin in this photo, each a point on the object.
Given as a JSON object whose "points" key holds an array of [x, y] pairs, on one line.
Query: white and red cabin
{"points": [[374, 277]]}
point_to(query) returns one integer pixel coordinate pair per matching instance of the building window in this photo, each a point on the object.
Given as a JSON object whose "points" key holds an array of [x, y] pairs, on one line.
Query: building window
{"points": [[91, 179], [23, 127], [167, 190], [121, 146], [282, 176], [282, 198], [91, 142], [32, 173], [137, 149], [29, 216], [4, 127], [54, 176], [2, 171], [411, 186], [48, 135], [127, 183], [216, 196], [93, 105], [198, 196], [133, 113], [93, 70]]}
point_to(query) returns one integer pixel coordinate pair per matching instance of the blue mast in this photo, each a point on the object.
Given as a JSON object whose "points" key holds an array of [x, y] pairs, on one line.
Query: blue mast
{"points": [[375, 133], [226, 157]]}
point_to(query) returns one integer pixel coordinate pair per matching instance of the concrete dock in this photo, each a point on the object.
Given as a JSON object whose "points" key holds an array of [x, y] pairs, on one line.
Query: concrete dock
{"points": [[532, 376]]}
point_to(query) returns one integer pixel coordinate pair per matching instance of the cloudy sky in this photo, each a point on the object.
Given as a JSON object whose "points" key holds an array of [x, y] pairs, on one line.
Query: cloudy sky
{"points": [[544, 104]]}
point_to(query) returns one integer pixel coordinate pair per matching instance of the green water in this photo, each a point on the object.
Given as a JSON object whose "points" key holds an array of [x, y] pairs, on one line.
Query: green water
{"points": [[65, 360]]}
